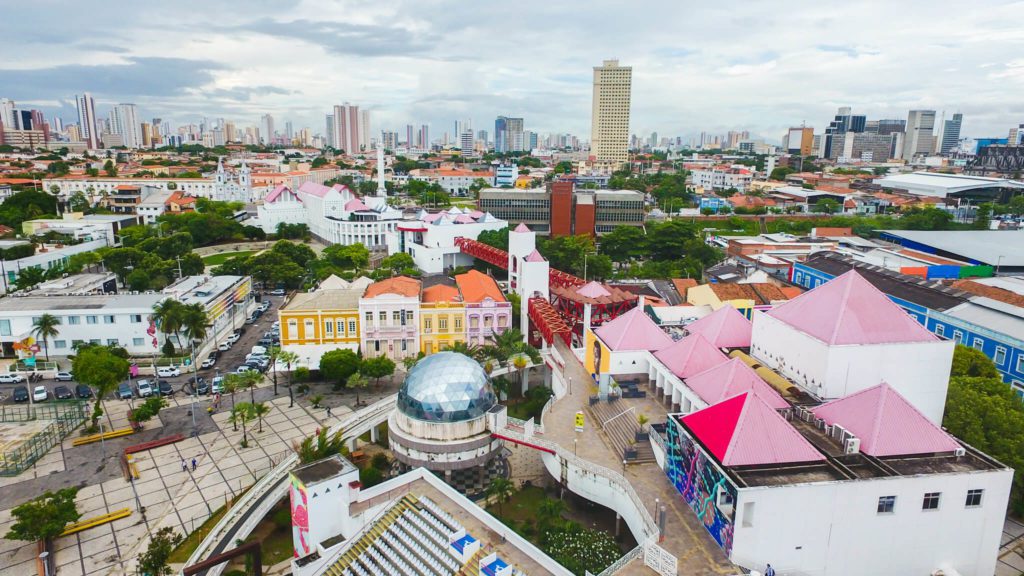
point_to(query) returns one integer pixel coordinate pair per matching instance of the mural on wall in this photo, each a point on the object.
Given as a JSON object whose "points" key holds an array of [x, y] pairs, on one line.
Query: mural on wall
{"points": [[300, 518], [700, 482]]}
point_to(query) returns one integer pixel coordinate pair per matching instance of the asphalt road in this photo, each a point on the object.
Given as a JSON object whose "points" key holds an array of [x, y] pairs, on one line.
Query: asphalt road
{"points": [[226, 362]]}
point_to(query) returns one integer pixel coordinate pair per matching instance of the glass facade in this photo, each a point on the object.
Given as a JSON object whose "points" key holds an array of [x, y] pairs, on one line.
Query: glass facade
{"points": [[446, 387]]}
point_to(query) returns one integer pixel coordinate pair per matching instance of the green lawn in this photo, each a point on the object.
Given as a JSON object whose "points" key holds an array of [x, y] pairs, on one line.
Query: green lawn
{"points": [[218, 259]]}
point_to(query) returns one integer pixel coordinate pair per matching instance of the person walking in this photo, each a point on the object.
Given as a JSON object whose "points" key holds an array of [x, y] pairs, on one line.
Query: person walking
{"points": [[184, 465], [193, 464], [328, 411], [769, 571]]}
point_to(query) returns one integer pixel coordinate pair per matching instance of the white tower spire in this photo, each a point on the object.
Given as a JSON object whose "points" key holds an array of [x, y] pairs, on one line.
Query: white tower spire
{"points": [[382, 191]]}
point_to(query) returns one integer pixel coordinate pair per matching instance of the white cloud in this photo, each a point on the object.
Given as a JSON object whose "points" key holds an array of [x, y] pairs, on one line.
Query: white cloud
{"points": [[696, 67]]}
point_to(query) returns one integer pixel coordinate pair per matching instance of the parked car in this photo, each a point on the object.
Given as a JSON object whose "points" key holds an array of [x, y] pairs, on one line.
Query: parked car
{"points": [[11, 378], [83, 391], [233, 338], [218, 385], [277, 292], [209, 362], [165, 388], [224, 346], [276, 325], [202, 388], [251, 320], [124, 391], [62, 393], [265, 305], [63, 377], [243, 369], [259, 349], [168, 371], [265, 342], [39, 394], [145, 388], [20, 394]]}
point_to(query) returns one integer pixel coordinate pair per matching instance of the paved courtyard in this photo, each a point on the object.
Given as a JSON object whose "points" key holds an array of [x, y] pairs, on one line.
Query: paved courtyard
{"points": [[169, 495]]}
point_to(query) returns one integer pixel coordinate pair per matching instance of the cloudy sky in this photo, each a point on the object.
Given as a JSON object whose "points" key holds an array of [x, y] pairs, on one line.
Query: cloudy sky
{"points": [[709, 66]]}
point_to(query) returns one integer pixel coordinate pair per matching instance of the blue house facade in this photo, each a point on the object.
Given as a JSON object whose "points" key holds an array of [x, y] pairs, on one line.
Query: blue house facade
{"points": [[1007, 352]]}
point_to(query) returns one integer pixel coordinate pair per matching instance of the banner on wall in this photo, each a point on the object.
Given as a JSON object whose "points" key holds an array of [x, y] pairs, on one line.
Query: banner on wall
{"points": [[579, 421]]}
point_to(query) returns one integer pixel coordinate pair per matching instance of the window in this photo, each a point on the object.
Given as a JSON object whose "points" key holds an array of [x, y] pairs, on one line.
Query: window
{"points": [[940, 330], [428, 324], [369, 318], [63, 343], [35, 319], [977, 343], [351, 327], [748, 514], [308, 329], [442, 324], [74, 320], [376, 345], [799, 277], [397, 318], [136, 318], [458, 323], [1020, 363], [886, 504], [5, 327], [76, 343], [92, 320], [138, 341], [94, 341], [474, 322], [113, 342], [405, 345], [293, 329], [328, 327], [108, 319], [406, 317], [974, 498], [931, 501], [1000, 356], [958, 336], [341, 327], [383, 317]]}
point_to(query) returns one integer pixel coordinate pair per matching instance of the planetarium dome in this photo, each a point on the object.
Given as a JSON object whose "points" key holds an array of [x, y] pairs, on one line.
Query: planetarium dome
{"points": [[446, 387]]}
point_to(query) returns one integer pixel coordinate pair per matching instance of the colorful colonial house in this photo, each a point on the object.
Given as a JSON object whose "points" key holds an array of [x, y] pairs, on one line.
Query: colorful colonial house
{"points": [[323, 320], [487, 311], [442, 318], [389, 311]]}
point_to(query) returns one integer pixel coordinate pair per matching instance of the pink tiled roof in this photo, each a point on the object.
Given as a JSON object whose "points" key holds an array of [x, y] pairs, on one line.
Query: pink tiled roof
{"points": [[849, 310], [432, 217], [522, 227], [725, 328], [593, 289], [634, 330], [464, 219], [476, 213], [275, 194], [745, 431], [534, 257], [690, 356], [886, 423], [730, 378], [314, 189], [355, 205]]}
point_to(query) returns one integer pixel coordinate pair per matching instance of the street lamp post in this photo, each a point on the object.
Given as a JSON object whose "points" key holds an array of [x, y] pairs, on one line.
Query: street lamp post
{"points": [[44, 556], [575, 441]]}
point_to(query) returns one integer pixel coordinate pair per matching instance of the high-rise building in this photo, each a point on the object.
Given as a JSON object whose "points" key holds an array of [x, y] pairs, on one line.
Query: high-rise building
{"points": [[329, 131], [289, 132], [481, 135], [147, 135], [800, 141], [6, 114], [466, 146], [267, 129], [409, 137], [424, 137], [124, 121], [951, 134], [230, 132], [87, 120], [920, 138], [609, 129], [1014, 138], [508, 135], [346, 128], [365, 131]]}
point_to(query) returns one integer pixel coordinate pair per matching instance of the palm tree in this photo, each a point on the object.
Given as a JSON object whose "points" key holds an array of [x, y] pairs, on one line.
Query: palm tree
{"points": [[250, 379], [642, 420], [550, 509], [245, 412], [357, 381], [195, 323], [288, 358], [260, 409], [232, 382], [474, 351], [44, 328], [167, 315], [500, 488]]}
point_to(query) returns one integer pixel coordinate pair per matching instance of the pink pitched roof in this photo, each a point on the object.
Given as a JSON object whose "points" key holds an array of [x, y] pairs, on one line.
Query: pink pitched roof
{"points": [[432, 217], [634, 330], [534, 257], [849, 310], [730, 378], [464, 219], [355, 205], [690, 356], [476, 213], [276, 193], [744, 431], [593, 289], [886, 423], [314, 189], [522, 227], [725, 328]]}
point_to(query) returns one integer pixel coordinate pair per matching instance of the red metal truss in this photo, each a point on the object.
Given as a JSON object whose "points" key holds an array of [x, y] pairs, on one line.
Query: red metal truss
{"points": [[547, 321], [559, 278], [487, 253]]}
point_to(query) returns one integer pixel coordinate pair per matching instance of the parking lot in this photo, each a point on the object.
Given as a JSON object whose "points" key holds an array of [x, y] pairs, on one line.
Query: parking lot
{"points": [[226, 362]]}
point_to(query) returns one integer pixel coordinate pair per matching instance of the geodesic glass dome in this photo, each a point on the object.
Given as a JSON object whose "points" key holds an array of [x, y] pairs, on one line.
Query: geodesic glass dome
{"points": [[446, 387]]}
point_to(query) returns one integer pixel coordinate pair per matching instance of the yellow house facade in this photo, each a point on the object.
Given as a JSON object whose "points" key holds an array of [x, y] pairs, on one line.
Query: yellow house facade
{"points": [[442, 318], [321, 321]]}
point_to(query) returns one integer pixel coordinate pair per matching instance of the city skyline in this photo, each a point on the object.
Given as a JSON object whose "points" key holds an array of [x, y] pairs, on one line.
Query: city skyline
{"points": [[417, 64]]}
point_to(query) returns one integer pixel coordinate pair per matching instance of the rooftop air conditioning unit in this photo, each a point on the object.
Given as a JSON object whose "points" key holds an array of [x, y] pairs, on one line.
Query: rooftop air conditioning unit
{"points": [[960, 452], [819, 423], [837, 433], [851, 445]]}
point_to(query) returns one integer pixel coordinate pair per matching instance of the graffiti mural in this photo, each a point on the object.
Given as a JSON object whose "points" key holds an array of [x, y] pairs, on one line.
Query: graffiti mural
{"points": [[300, 518], [702, 485]]}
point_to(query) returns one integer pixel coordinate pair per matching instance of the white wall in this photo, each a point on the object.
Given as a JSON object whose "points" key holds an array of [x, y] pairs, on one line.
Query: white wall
{"points": [[834, 528]]}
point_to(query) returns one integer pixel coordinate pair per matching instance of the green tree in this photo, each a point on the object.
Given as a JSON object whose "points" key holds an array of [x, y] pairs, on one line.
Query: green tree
{"points": [[243, 412], [550, 510], [260, 409], [969, 361], [397, 262], [147, 410], [357, 382], [781, 172], [319, 161], [377, 367], [319, 446], [100, 368], [44, 328], [78, 202], [29, 278], [982, 217], [501, 489], [338, 365], [623, 243], [826, 206], [495, 238], [44, 518], [154, 560], [110, 168]]}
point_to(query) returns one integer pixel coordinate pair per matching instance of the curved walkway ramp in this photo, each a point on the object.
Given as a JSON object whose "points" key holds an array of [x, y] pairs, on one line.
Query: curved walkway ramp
{"points": [[243, 517]]}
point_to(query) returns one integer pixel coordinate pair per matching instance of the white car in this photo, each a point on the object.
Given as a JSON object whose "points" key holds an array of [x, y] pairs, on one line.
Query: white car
{"points": [[168, 371], [217, 385], [145, 388], [233, 338], [11, 378], [259, 350], [276, 325], [39, 394], [209, 362], [224, 346]]}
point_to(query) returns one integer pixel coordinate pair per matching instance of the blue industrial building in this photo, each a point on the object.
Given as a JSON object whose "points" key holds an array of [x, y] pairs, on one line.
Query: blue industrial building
{"points": [[995, 328]]}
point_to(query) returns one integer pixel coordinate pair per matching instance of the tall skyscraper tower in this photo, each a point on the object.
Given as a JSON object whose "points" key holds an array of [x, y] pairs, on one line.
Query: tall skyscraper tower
{"points": [[920, 138], [87, 120], [424, 137], [951, 134], [7, 113], [410, 141], [609, 132], [364, 129], [124, 120], [267, 129], [508, 134], [346, 128]]}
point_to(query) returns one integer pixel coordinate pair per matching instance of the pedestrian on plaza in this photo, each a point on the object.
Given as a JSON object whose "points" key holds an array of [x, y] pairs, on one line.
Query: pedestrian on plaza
{"points": [[193, 464], [328, 411], [769, 571], [184, 465]]}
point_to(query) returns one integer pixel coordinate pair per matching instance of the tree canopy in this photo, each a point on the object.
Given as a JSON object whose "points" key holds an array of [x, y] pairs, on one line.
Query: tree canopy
{"points": [[45, 517]]}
